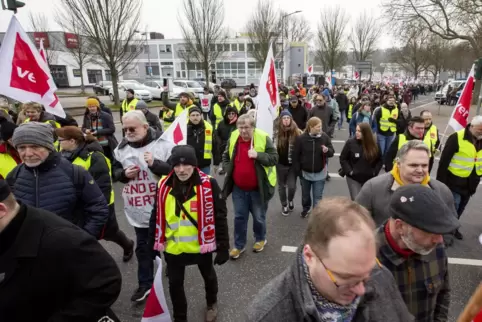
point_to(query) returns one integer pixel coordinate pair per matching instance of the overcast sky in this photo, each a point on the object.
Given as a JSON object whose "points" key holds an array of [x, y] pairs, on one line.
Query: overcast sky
{"points": [[162, 15]]}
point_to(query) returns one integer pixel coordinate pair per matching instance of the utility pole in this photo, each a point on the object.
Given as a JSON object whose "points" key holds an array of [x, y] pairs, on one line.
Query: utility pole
{"points": [[283, 42], [149, 68]]}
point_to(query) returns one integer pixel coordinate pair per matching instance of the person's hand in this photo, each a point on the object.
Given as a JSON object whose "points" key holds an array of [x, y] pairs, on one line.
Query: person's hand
{"points": [[93, 133], [148, 158], [88, 131], [324, 148], [132, 171], [221, 257], [252, 154], [391, 119]]}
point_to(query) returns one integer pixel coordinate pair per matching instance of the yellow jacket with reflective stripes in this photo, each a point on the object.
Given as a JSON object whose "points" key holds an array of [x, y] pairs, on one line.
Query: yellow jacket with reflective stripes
{"points": [[403, 139], [170, 115], [218, 113], [86, 165], [126, 107], [385, 124], [7, 163], [432, 135], [466, 159]]}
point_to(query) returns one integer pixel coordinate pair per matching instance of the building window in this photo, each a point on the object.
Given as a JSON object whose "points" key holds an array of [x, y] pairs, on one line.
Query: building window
{"points": [[219, 47], [94, 75], [241, 47], [250, 47], [167, 63], [165, 48], [226, 47], [146, 49], [168, 48], [234, 47], [76, 72], [108, 76], [178, 74], [155, 70], [212, 47]]}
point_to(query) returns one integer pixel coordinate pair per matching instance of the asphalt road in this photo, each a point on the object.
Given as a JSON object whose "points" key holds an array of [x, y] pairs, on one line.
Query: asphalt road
{"points": [[240, 280]]}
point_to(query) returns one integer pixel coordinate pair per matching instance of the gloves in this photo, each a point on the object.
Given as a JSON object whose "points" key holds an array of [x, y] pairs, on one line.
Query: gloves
{"points": [[222, 257]]}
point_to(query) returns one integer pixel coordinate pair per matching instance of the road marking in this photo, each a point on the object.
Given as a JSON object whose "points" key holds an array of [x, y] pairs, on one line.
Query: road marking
{"points": [[338, 141], [452, 260], [422, 105]]}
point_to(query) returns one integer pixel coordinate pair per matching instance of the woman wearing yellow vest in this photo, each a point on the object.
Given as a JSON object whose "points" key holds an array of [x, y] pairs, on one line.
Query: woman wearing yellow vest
{"points": [[85, 151], [9, 157], [35, 113]]}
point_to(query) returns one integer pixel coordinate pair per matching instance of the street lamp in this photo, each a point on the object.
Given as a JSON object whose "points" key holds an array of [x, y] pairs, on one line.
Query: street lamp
{"points": [[149, 69], [283, 40]]}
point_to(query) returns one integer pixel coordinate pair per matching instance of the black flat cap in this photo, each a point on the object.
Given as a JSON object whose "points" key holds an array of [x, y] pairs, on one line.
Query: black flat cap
{"points": [[423, 208]]}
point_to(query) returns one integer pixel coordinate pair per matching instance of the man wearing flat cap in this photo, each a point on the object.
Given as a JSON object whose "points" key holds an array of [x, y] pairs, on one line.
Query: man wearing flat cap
{"points": [[411, 247], [51, 270]]}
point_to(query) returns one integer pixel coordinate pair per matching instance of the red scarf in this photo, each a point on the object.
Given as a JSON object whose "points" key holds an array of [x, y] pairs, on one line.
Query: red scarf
{"points": [[205, 216], [406, 253]]}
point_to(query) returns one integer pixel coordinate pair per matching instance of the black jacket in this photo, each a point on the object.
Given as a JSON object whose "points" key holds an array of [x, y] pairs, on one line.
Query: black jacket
{"points": [[308, 154], [464, 186], [342, 101], [355, 165], [52, 271], [67, 121], [179, 191], [108, 127], [299, 115], [159, 168], [402, 122], [223, 133], [196, 138], [391, 153], [52, 186], [153, 121]]}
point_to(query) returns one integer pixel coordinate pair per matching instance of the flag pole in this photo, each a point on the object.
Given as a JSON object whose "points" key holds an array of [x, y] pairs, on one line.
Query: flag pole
{"points": [[473, 306]]}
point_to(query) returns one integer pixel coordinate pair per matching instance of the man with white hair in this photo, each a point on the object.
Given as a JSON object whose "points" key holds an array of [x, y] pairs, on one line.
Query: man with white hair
{"points": [[141, 159], [460, 166]]}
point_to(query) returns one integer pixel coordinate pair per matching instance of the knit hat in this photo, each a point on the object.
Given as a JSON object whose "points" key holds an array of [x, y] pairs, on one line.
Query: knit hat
{"points": [[195, 109], [184, 94], [184, 154], [36, 133], [4, 190], [294, 98], [285, 113], [223, 94], [130, 90], [92, 102], [326, 92], [423, 208], [6, 130], [141, 105]]}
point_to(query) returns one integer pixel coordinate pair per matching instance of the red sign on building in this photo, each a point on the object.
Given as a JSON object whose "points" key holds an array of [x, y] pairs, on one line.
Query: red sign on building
{"points": [[38, 36], [71, 40]]}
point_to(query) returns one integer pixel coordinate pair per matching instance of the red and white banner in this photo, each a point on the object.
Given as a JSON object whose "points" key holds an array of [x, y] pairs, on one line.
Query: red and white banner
{"points": [[25, 74], [460, 115], [356, 75], [268, 96], [177, 131], [71, 40], [310, 69], [156, 306]]}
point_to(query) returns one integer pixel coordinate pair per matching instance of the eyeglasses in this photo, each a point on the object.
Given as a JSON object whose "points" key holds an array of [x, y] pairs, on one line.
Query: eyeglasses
{"points": [[130, 129], [345, 287]]}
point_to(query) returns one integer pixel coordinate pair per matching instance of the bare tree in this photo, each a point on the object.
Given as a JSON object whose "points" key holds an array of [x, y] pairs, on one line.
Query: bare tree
{"points": [[460, 58], [39, 22], [437, 50], [296, 28], [331, 38], [365, 33], [263, 28], [412, 57], [110, 26], [203, 28], [189, 58]]}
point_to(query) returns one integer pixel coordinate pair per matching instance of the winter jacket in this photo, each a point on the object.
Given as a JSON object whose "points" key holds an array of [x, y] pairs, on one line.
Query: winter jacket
{"points": [[223, 133], [308, 154], [50, 270], [299, 115], [153, 120], [195, 138], [392, 151], [354, 163], [377, 114], [108, 127], [402, 122], [325, 114], [55, 186], [68, 120], [342, 101], [358, 118], [288, 298], [463, 186], [376, 193], [106, 109]]}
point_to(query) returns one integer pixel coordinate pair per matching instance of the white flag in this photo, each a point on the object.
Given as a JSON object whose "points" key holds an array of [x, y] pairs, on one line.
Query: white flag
{"points": [[156, 306], [177, 131], [268, 96], [25, 74]]}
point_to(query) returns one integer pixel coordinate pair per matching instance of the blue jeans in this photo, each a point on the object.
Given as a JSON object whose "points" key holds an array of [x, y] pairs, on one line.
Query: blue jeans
{"points": [[145, 258], [206, 170], [340, 121], [245, 202], [384, 142], [311, 187], [460, 203]]}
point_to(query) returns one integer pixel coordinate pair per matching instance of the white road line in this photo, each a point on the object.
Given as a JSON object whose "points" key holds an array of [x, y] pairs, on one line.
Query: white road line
{"points": [[452, 260], [422, 105], [337, 141]]}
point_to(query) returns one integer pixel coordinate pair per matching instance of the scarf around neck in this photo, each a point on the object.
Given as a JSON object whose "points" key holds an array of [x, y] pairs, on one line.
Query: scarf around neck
{"points": [[329, 311], [396, 176], [205, 214]]}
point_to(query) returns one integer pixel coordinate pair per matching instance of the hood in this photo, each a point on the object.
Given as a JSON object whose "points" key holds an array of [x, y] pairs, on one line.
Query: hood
{"points": [[230, 109]]}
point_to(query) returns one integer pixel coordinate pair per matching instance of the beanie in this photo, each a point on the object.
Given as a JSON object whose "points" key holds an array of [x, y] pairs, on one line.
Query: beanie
{"points": [[130, 90], [141, 105], [36, 133], [184, 154], [92, 102], [6, 130], [195, 109], [285, 113], [223, 94]]}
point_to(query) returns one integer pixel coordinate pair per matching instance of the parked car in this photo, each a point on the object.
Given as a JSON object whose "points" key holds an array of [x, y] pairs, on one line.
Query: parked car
{"points": [[155, 88], [441, 95], [102, 87], [228, 83], [140, 92], [190, 86]]}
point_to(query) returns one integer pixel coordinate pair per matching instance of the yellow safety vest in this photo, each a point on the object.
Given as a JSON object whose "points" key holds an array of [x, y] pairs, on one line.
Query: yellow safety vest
{"points": [[54, 124], [208, 140], [168, 115], [7, 163], [237, 104], [402, 139], [218, 113], [432, 135], [259, 141], [129, 107], [466, 158], [350, 111], [86, 165], [181, 234], [385, 124]]}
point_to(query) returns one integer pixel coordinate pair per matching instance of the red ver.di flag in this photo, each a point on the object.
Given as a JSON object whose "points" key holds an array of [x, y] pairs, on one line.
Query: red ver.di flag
{"points": [[156, 306], [458, 120], [25, 75]]}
